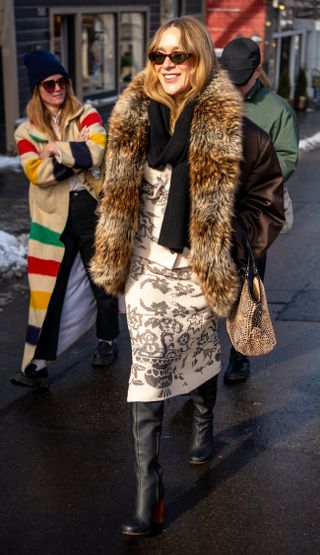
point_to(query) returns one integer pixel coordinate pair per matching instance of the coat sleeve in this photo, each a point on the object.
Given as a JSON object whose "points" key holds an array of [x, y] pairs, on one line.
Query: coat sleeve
{"points": [[259, 205], [43, 173], [285, 138], [75, 155], [83, 155]]}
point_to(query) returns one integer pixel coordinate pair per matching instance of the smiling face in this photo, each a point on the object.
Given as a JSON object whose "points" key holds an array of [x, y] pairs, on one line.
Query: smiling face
{"points": [[174, 78], [53, 101]]}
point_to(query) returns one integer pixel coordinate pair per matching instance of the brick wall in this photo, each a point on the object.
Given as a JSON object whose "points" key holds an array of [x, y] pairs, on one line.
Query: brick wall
{"points": [[227, 19]]}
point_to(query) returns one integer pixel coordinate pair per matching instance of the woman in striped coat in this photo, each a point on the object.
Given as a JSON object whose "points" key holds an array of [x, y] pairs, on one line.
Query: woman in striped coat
{"points": [[61, 146]]}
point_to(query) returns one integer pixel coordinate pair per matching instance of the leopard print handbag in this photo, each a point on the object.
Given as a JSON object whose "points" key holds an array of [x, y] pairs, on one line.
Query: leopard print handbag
{"points": [[249, 325]]}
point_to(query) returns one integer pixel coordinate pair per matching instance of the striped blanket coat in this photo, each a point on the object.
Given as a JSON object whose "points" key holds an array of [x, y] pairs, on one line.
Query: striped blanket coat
{"points": [[49, 204]]}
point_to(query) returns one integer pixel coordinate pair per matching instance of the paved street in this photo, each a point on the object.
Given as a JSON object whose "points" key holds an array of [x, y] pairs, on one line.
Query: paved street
{"points": [[66, 477]]}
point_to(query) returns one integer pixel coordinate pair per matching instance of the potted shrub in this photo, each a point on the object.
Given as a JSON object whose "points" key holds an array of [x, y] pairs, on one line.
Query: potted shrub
{"points": [[300, 93], [284, 87]]}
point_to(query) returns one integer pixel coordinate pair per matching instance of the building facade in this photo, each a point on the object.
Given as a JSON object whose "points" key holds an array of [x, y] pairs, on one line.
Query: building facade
{"points": [[287, 31], [102, 43], [293, 41], [228, 19]]}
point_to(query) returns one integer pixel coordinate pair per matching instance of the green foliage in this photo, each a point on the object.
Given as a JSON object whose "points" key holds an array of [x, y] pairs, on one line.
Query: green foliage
{"points": [[284, 88]]}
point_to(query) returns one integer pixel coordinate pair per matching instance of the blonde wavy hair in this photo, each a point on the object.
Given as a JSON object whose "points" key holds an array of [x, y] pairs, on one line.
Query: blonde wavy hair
{"points": [[40, 116], [195, 40]]}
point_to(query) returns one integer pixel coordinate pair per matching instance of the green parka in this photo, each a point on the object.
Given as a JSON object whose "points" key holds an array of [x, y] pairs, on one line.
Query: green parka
{"points": [[274, 115]]}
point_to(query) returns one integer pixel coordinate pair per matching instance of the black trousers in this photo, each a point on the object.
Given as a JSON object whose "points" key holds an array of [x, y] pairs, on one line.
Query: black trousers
{"points": [[78, 236]]}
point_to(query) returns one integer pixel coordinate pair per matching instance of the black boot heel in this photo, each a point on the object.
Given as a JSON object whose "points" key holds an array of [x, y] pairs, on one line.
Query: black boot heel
{"points": [[158, 515]]}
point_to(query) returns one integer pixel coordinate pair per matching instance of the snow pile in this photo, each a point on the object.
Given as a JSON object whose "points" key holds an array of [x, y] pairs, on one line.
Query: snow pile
{"points": [[13, 254], [10, 163], [311, 143], [13, 163]]}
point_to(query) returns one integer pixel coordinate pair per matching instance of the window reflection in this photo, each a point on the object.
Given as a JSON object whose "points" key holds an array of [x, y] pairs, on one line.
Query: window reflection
{"points": [[57, 36], [131, 46], [111, 51], [170, 9], [98, 53]]}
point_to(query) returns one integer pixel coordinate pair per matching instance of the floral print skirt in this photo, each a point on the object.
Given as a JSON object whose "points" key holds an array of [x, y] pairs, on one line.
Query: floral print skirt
{"points": [[174, 340]]}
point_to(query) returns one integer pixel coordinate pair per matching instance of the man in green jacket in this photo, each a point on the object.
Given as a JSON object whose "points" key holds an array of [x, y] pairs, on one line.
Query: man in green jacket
{"points": [[242, 59]]}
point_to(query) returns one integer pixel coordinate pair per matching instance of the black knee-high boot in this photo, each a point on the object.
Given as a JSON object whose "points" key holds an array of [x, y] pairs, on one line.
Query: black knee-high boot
{"points": [[146, 428], [204, 398]]}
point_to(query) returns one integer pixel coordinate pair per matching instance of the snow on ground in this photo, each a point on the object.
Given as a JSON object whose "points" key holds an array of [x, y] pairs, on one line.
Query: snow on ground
{"points": [[13, 254], [10, 163], [13, 163], [311, 143], [13, 250]]}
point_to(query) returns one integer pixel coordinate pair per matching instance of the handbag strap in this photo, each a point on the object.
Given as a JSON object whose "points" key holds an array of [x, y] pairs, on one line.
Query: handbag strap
{"points": [[254, 285], [250, 260]]}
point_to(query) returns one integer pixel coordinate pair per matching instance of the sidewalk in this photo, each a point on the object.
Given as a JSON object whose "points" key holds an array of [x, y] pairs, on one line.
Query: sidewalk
{"points": [[309, 122], [66, 474]]}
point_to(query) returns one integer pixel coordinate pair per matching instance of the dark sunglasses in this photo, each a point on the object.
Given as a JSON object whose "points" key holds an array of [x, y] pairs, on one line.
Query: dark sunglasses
{"points": [[175, 57], [50, 85]]}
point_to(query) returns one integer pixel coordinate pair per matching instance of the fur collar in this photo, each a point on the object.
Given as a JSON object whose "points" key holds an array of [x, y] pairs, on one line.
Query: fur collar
{"points": [[214, 157]]}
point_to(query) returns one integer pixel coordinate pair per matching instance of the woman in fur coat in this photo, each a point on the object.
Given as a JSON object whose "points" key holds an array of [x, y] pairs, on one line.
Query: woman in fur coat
{"points": [[59, 143], [170, 235]]}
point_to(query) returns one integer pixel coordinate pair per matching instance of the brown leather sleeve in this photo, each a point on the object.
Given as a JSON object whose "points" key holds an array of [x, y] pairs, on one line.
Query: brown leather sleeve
{"points": [[259, 204]]}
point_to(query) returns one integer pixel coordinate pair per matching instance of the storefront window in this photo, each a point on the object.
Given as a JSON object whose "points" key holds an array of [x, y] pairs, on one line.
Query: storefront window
{"points": [[285, 54], [131, 46], [170, 9], [58, 25], [63, 41], [106, 54], [297, 49], [98, 53]]}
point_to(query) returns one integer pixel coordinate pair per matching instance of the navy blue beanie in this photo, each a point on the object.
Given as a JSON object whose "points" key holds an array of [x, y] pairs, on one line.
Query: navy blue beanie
{"points": [[41, 64]]}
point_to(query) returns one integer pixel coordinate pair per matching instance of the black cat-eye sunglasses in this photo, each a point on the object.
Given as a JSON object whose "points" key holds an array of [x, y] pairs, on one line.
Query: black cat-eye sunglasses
{"points": [[175, 57]]}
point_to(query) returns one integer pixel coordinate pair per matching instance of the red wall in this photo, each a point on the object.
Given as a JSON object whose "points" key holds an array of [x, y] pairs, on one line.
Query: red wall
{"points": [[226, 19]]}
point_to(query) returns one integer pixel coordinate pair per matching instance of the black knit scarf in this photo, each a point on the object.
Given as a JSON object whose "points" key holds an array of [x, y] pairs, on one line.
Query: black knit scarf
{"points": [[164, 148]]}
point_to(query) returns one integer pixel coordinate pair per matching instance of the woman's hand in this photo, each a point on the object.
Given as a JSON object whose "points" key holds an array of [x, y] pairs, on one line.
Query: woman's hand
{"points": [[83, 134], [49, 151]]}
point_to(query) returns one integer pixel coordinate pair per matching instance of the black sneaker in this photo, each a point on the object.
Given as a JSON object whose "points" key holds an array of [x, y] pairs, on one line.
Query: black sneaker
{"points": [[106, 352], [36, 379]]}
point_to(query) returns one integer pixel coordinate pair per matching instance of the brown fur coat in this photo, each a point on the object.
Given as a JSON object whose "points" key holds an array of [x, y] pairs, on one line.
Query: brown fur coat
{"points": [[214, 157]]}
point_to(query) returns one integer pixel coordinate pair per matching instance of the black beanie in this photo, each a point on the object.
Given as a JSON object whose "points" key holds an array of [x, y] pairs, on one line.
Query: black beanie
{"points": [[41, 64]]}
